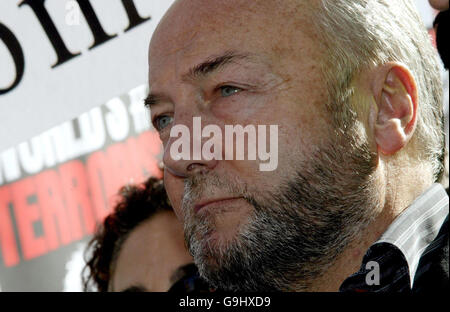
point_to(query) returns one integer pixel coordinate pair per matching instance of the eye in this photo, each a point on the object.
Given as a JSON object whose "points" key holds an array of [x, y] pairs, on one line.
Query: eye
{"points": [[162, 121], [226, 91]]}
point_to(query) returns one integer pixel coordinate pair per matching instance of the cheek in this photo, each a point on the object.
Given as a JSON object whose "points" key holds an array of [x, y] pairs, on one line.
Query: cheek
{"points": [[302, 129]]}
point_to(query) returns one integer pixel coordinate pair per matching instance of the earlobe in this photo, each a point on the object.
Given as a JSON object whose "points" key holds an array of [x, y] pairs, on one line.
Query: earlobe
{"points": [[397, 107], [389, 136]]}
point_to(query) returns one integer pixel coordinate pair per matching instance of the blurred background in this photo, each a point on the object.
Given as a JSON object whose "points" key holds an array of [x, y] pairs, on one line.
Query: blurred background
{"points": [[73, 128]]}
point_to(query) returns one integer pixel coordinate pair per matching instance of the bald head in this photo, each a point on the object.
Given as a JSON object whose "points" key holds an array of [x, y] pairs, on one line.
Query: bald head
{"points": [[194, 25], [191, 16]]}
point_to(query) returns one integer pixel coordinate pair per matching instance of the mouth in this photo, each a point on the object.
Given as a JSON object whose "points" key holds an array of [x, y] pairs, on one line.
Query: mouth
{"points": [[215, 203]]}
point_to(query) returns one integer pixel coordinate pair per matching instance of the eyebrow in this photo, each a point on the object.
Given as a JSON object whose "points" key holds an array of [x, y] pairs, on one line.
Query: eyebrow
{"points": [[201, 70], [152, 99], [213, 64]]}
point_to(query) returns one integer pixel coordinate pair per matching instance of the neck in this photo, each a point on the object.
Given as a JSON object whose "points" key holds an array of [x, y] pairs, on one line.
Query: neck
{"points": [[396, 198], [350, 259]]}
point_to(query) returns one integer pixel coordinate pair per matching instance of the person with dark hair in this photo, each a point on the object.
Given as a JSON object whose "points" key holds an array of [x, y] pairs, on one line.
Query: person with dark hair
{"points": [[139, 246]]}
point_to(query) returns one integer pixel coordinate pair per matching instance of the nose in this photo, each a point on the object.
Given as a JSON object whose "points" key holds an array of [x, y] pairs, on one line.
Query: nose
{"points": [[183, 155]]}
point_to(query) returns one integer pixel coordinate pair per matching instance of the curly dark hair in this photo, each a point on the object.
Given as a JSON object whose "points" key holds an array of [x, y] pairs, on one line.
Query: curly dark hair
{"points": [[137, 203]]}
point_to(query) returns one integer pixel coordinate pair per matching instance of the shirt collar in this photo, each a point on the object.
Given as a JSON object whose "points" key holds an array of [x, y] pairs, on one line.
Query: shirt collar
{"points": [[418, 225]]}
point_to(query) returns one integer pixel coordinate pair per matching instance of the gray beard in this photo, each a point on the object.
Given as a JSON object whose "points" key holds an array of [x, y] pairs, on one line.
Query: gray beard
{"points": [[296, 231]]}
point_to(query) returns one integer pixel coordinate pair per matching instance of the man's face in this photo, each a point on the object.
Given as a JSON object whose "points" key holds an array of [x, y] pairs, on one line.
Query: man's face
{"points": [[247, 63]]}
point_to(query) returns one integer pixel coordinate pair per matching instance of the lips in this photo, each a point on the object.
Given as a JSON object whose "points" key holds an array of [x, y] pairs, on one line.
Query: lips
{"points": [[210, 203]]}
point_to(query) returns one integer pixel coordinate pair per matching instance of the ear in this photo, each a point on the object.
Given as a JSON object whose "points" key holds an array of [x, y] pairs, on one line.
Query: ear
{"points": [[394, 121]]}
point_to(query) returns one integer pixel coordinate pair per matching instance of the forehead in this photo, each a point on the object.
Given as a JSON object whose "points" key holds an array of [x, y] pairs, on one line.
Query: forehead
{"points": [[195, 29]]}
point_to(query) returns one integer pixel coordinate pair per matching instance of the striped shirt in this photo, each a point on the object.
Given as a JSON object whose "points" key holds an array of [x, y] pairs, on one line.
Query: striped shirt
{"points": [[405, 257]]}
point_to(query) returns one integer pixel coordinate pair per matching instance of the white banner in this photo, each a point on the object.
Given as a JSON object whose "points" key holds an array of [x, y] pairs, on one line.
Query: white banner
{"points": [[59, 58]]}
